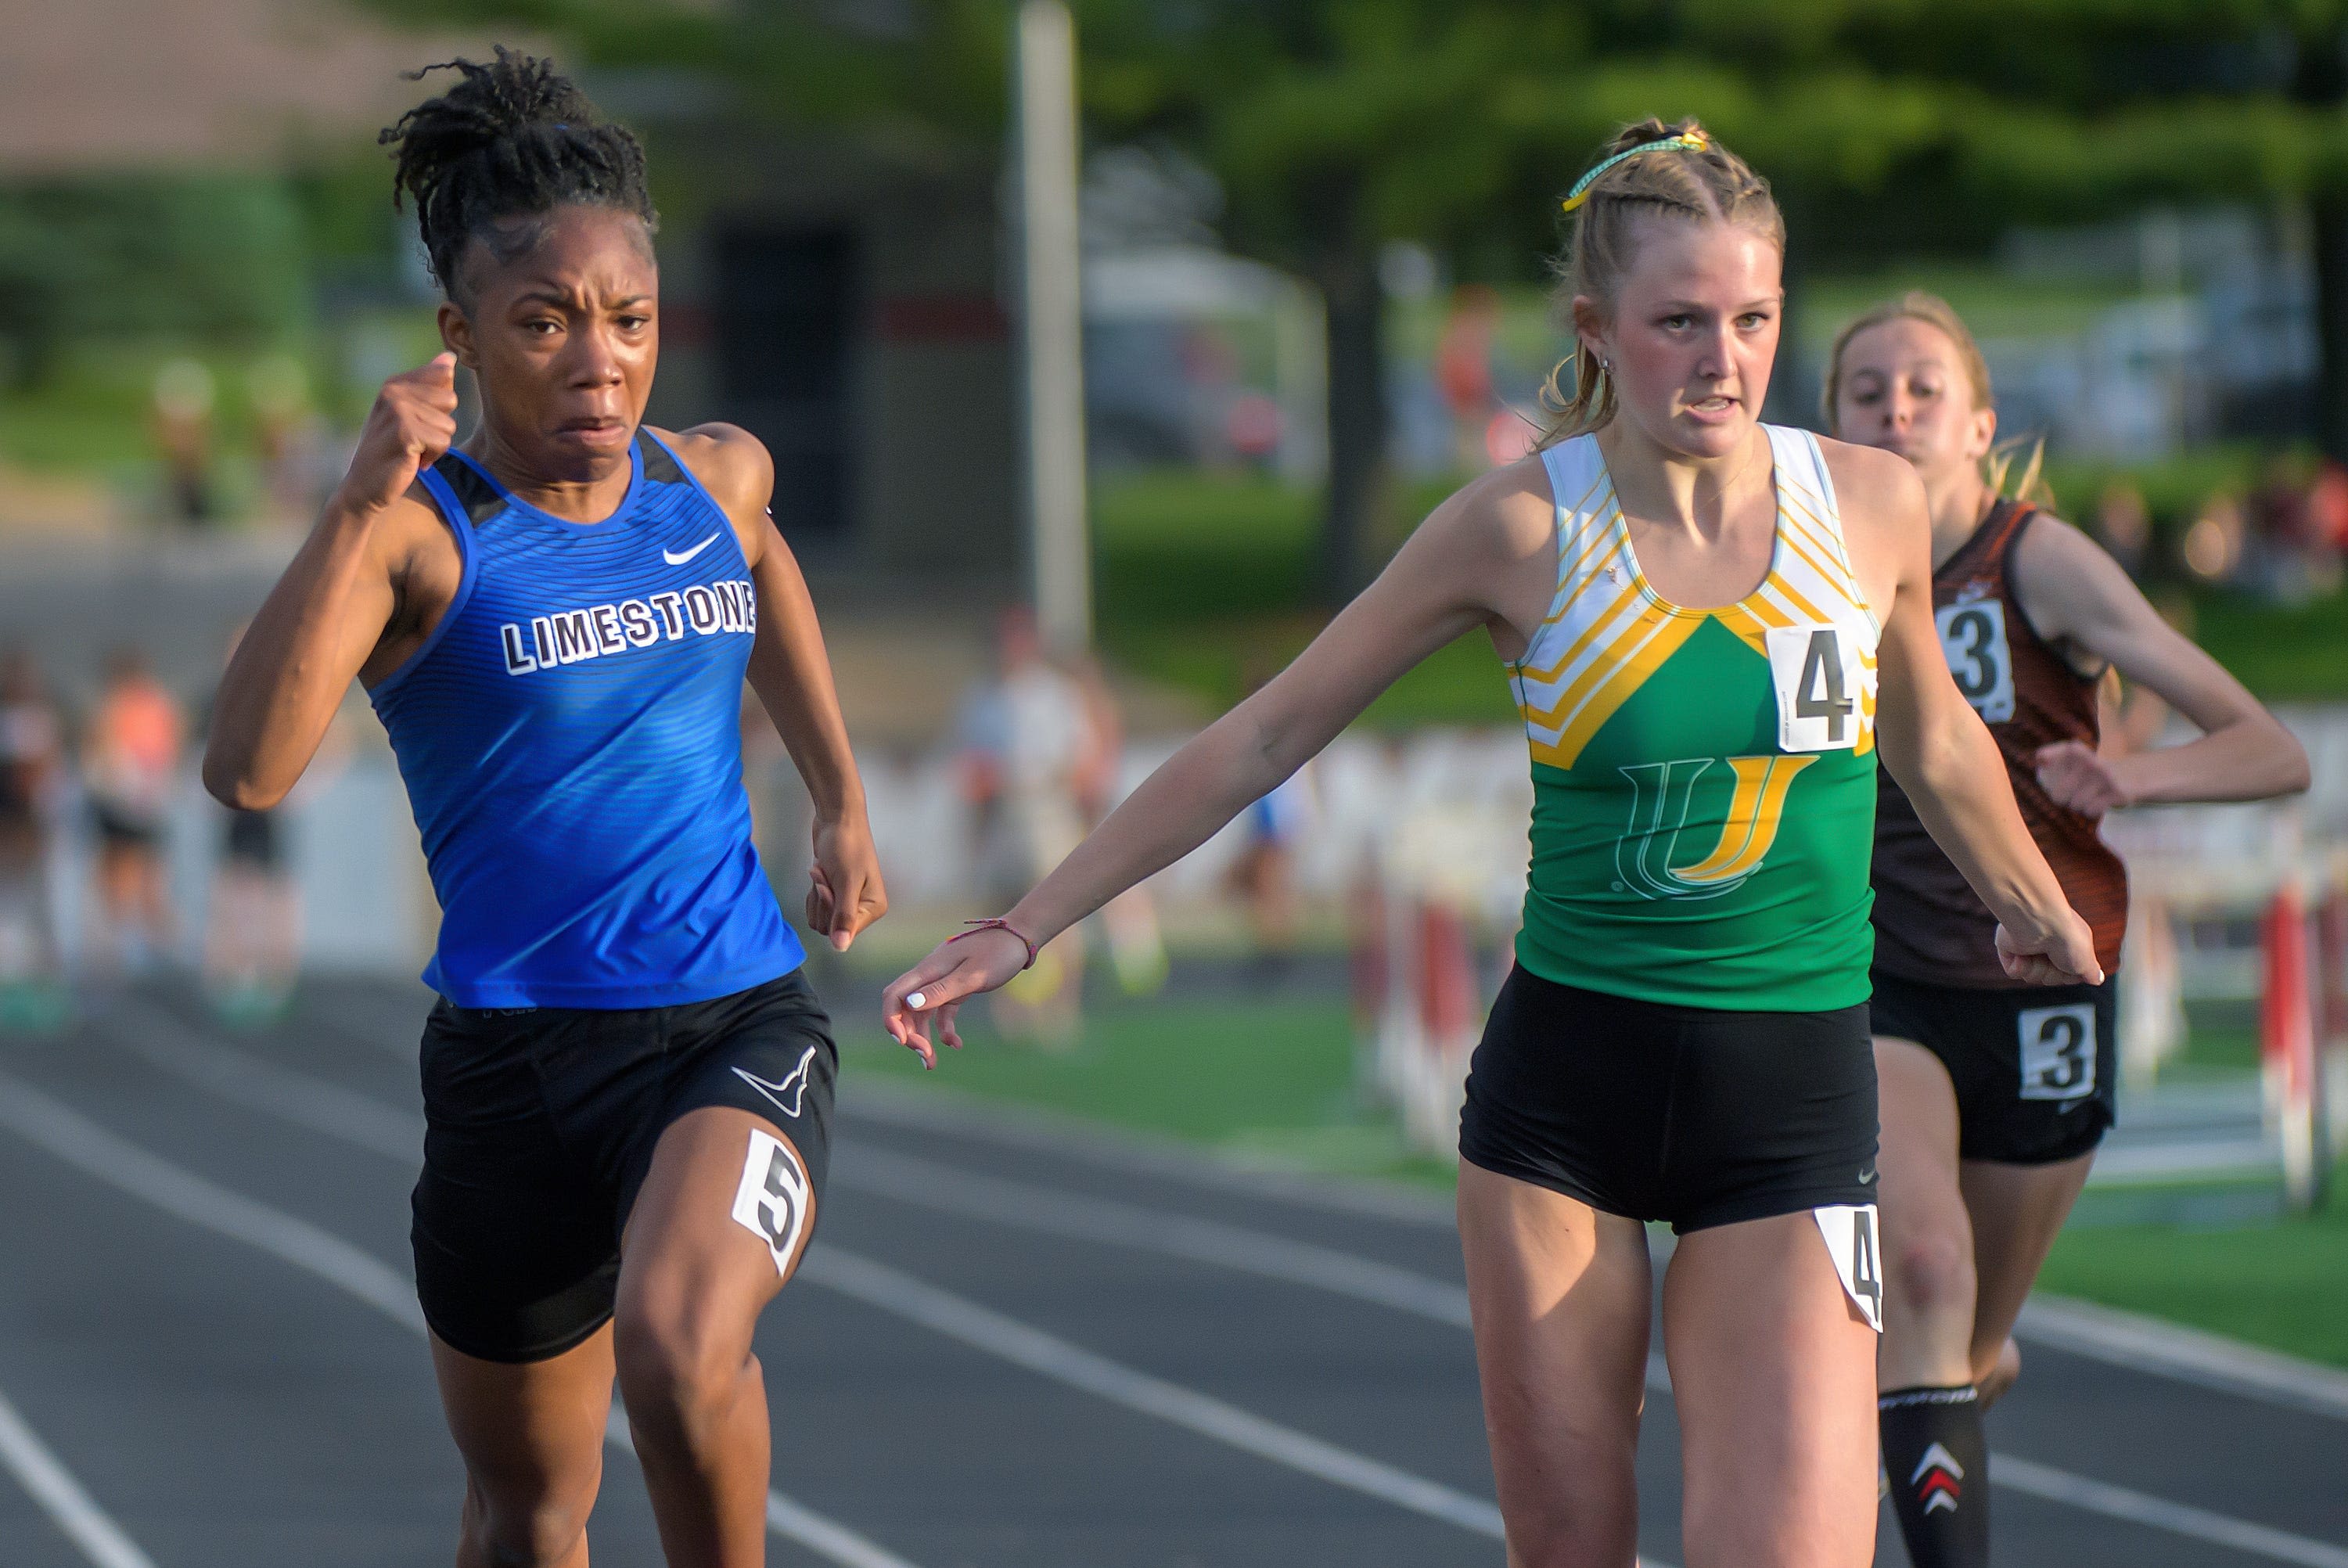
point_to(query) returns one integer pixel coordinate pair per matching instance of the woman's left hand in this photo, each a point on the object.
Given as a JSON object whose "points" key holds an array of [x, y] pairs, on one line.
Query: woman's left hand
{"points": [[844, 892], [2079, 778]]}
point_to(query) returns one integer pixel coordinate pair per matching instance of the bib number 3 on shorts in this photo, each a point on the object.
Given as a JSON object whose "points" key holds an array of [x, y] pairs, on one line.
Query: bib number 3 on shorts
{"points": [[1818, 677], [2058, 1051], [1853, 1242]]}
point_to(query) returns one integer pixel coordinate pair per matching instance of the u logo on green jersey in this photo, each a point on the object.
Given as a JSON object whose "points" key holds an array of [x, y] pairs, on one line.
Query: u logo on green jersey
{"points": [[1661, 795]]}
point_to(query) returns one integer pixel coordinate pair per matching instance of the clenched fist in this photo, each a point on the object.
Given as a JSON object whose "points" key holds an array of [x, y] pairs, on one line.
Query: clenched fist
{"points": [[412, 421]]}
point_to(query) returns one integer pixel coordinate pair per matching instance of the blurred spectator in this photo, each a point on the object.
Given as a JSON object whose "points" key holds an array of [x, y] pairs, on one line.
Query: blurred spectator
{"points": [[2327, 506], [1136, 950], [1264, 874], [253, 927], [289, 434], [131, 766], [2293, 556], [2213, 544], [2124, 524], [32, 776], [1025, 736], [1463, 371], [184, 439]]}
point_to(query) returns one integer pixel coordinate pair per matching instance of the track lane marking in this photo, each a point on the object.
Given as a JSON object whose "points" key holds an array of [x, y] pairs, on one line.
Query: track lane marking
{"points": [[950, 1189], [360, 1119], [1137, 1226], [983, 1328], [2176, 1518], [59, 1129], [47, 1480]]}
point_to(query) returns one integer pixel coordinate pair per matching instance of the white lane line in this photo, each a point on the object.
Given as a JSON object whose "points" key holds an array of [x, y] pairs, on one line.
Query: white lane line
{"points": [[164, 1041], [2176, 1518], [1012, 1125], [52, 1125], [948, 1189], [64, 1132], [1233, 1248], [2146, 1345], [957, 1317], [51, 1485]]}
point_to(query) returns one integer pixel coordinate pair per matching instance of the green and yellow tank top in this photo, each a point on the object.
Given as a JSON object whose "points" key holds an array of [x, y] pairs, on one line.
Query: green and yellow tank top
{"points": [[1704, 780]]}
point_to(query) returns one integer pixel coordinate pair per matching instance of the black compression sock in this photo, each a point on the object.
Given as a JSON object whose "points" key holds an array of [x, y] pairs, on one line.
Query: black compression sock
{"points": [[1937, 1458]]}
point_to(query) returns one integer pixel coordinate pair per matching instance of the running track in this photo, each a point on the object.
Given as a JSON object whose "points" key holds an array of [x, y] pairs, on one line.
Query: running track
{"points": [[1013, 1344]]}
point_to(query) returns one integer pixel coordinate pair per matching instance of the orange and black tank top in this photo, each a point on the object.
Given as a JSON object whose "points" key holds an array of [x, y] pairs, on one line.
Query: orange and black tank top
{"points": [[1929, 926]]}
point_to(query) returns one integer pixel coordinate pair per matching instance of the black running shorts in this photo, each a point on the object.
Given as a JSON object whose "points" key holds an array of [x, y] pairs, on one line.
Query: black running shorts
{"points": [[2033, 1066], [1694, 1114], [539, 1128]]}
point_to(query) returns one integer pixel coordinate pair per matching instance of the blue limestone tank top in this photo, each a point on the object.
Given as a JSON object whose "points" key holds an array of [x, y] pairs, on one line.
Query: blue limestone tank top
{"points": [[571, 738]]}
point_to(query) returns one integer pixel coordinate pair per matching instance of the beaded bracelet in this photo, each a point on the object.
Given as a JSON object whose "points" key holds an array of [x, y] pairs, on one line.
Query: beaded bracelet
{"points": [[998, 924]]}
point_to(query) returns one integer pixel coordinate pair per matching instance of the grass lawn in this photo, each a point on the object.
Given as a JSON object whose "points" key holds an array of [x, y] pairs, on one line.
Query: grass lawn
{"points": [[2283, 1284], [1274, 1081]]}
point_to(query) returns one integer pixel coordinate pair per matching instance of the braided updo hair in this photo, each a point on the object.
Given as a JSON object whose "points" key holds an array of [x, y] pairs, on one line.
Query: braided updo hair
{"points": [[500, 150], [1707, 183]]}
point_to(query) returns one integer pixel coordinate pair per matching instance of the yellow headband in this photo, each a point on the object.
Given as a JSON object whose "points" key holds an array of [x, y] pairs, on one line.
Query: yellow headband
{"points": [[1691, 140]]}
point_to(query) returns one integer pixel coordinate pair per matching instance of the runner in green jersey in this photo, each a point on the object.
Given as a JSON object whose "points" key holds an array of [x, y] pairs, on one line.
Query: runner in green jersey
{"points": [[1715, 630]]}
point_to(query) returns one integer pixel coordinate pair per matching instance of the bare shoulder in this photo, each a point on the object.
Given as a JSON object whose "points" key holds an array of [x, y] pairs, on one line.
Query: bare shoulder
{"points": [[410, 534], [732, 465], [1507, 514], [1874, 485], [2063, 575]]}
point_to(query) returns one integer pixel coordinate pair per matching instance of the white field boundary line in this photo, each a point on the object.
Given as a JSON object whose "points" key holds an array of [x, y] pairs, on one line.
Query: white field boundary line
{"points": [[1025, 1206], [2188, 1355], [64, 1132], [982, 1328], [45, 1478]]}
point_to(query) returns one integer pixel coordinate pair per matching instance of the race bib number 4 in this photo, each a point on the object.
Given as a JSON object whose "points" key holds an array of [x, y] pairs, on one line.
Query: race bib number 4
{"points": [[2058, 1052], [1852, 1243], [1972, 639], [771, 1202], [1818, 677]]}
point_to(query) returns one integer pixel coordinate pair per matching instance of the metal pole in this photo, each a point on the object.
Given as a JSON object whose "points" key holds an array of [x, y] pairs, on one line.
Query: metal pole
{"points": [[1051, 326]]}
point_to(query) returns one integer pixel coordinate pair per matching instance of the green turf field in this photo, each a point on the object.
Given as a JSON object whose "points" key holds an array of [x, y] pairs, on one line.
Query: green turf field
{"points": [[1274, 1081]]}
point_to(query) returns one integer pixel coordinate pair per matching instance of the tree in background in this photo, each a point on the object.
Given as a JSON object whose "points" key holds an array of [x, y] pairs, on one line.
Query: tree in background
{"points": [[1890, 127]]}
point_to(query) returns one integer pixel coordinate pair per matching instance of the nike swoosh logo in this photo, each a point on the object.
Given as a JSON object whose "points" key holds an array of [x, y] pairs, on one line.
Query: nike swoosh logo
{"points": [[795, 1086], [678, 558]]}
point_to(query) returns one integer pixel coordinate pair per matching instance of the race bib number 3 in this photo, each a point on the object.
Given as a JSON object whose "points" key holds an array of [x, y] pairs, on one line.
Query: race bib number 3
{"points": [[1972, 639], [2058, 1051], [771, 1202], [1817, 675], [1851, 1241]]}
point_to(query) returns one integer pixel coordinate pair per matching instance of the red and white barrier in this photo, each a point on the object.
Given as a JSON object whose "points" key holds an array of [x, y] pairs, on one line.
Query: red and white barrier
{"points": [[2287, 1023]]}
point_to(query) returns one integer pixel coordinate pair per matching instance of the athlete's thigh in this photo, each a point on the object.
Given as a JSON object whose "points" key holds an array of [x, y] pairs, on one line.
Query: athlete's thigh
{"points": [[532, 1432], [2017, 1212], [723, 1218], [1559, 1295], [1773, 1374]]}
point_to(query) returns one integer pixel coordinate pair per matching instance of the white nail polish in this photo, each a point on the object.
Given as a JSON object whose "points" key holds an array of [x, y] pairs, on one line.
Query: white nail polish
{"points": [[917, 1001]]}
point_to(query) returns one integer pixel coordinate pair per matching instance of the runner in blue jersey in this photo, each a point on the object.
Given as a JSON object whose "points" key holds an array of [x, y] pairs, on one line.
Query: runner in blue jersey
{"points": [[627, 1080]]}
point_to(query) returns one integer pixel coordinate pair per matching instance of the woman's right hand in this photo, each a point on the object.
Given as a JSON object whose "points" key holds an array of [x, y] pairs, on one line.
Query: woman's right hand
{"points": [[932, 992], [413, 422], [2057, 949]]}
